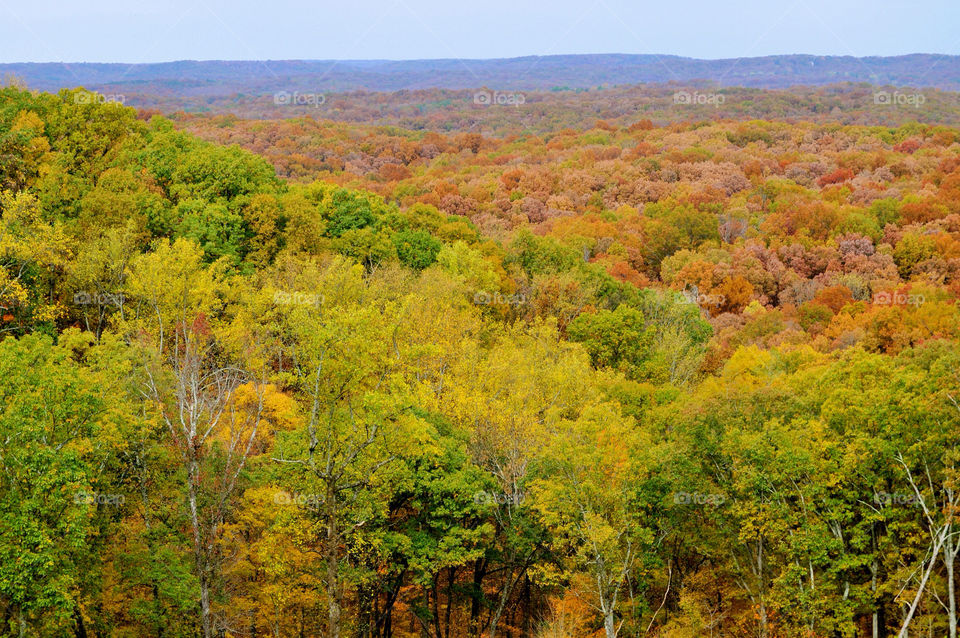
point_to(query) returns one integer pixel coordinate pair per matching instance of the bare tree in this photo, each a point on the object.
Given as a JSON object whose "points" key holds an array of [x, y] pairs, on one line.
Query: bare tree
{"points": [[196, 395]]}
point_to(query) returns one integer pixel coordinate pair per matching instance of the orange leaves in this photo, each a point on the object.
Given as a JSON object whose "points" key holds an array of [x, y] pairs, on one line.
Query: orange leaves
{"points": [[623, 271], [642, 149], [908, 146], [394, 172], [835, 177], [834, 297], [702, 198], [734, 292], [511, 178], [641, 125]]}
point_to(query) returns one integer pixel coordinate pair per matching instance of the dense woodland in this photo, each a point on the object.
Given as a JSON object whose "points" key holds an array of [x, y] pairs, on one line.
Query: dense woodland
{"points": [[309, 378], [549, 111]]}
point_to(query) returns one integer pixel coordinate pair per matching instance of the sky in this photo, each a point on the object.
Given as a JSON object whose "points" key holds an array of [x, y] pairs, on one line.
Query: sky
{"points": [[150, 31]]}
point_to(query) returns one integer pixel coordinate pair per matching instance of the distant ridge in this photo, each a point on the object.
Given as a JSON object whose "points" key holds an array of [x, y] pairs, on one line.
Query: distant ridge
{"points": [[220, 78]]}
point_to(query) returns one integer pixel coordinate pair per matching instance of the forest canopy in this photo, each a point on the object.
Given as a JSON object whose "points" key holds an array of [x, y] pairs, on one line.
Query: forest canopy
{"points": [[312, 378]]}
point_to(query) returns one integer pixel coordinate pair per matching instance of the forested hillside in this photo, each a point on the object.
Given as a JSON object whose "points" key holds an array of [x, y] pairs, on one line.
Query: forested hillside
{"points": [[501, 113], [207, 78], [310, 378]]}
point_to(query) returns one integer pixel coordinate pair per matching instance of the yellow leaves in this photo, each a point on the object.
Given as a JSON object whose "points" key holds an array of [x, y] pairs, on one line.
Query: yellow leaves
{"points": [[27, 121], [469, 266], [172, 279], [49, 312], [25, 236], [746, 364], [26, 239], [845, 329], [272, 573], [32, 146], [415, 436], [12, 292], [278, 407], [891, 328], [275, 410]]}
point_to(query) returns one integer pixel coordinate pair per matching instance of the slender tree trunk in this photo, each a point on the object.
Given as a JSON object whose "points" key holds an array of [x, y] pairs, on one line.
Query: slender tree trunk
{"points": [[205, 605], [199, 552], [81, 629], [333, 567], [763, 606], [479, 571], [501, 605], [435, 591], [156, 599], [148, 526], [525, 625], [763, 620], [609, 624], [949, 557], [505, 596], [923, 584], [451, 581]]}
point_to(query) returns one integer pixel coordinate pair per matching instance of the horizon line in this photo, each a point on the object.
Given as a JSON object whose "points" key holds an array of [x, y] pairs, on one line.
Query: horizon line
{"points": [[493, 59]]}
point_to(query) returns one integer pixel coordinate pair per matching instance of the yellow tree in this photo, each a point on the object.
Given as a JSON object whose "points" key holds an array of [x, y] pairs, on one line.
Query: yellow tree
{"points": [[211, 405], [585, 497]]}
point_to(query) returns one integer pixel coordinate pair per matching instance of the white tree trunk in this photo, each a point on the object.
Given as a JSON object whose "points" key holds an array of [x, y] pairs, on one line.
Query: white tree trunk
{"points": [[923, 584]]}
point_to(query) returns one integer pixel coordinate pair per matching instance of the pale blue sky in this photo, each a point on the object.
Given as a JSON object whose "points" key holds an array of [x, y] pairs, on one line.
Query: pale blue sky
{"points": [[151, 31]]}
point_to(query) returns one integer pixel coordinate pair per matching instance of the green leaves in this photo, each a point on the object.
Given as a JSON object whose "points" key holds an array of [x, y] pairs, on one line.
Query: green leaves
{"points": [[346, 210], [416, 249], [50, 418], [660, 342]]}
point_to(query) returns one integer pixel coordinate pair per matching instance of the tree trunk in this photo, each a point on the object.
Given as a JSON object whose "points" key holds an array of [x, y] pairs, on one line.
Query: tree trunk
{"points": [[501, 605], [479, 571], [763, 606], [451, 581], [923, 584], [81, 630], [205, 605], [199, 553], [609, 624], [525, 625], [763, 620], [435, 591], [333, 567], [949, 557], [366, 609]]}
